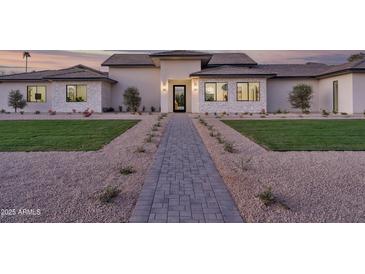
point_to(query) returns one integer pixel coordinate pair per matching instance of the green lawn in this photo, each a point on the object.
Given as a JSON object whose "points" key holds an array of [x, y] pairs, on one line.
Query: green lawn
{"points": [[60, 135], [309, 135]]}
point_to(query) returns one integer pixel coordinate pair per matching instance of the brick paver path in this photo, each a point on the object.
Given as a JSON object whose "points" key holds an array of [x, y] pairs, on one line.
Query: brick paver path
{"points": [[183, 184]]}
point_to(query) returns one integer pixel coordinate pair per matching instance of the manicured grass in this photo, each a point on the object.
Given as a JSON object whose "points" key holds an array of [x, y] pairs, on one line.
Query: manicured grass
{"points": [[60, 135], [308, 135]]}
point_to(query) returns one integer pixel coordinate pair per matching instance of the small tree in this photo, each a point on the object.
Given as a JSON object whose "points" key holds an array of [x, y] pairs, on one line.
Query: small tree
{"points": [[16, 100], [355, 57], [300, 97], [131, 98]]}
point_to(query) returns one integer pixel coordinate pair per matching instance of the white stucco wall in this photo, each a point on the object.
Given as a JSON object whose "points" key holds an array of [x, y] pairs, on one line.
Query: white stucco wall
{"points": [[7, 87], [93, 100], [359, 92], [278, 93], [345, 93], [147, 80], [232, 105], [106, 95], [176, 70]]}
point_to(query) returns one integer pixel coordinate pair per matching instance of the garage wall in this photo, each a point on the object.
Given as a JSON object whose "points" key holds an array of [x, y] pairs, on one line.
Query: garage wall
{"points": [[278, 94], [345, 94], [146, 79], [359, 92]]}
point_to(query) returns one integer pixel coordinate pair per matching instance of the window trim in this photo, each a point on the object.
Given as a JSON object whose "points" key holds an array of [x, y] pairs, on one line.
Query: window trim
{"points": [[36, 86], [216, 91], [248, 90], [76, 92]]}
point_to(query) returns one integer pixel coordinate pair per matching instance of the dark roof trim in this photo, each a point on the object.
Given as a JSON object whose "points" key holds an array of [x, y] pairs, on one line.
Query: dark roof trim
{"points": [[233, 75], [340, 72], [81, 79]]}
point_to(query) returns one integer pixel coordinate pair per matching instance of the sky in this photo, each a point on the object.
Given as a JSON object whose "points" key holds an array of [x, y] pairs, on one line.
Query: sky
{"points": [[13, 62]]}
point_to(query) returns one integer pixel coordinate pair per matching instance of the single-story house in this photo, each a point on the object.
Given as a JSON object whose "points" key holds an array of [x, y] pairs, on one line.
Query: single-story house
{"points": [[190, 81]]}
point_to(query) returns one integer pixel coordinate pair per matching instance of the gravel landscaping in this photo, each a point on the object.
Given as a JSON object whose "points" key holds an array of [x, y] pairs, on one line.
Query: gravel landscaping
{"points": [[68, 186], [316, 186]]}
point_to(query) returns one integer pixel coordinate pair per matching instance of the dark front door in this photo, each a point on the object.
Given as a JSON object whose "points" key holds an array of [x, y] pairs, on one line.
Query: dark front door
{"points": [[179, 98]]}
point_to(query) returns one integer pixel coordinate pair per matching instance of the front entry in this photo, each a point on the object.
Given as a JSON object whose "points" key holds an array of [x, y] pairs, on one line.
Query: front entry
{"points": [[179, 98]]}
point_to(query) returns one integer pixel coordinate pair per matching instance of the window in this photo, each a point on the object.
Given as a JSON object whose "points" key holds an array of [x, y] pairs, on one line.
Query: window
{"points": [[248, 91], [216, 92], [36, 94], [76, 93]]}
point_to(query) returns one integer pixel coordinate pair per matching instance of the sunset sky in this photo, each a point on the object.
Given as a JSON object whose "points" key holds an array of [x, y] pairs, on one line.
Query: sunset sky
{"points": [[13, 62]]}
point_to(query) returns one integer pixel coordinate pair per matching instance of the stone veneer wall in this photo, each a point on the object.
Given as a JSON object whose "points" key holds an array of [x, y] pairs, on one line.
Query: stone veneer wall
{"points": [[232, 105], [93, 99]]}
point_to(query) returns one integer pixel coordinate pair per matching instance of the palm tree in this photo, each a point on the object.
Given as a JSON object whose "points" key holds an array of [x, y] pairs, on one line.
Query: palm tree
{"points": [[26, 55]]}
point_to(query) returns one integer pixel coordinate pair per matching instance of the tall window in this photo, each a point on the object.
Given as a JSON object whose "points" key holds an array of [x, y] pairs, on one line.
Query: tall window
{"points": [[36, 94], [76, 93], [248, 91], [216, 92]]}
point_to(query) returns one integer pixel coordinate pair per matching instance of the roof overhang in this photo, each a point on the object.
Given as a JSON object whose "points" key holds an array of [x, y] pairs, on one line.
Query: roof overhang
{"points": [[204, 58]]}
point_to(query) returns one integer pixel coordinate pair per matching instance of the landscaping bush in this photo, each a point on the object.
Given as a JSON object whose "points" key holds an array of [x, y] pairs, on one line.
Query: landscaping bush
{"points": [[325, 112], [15, 100], [127, 170], [344, 113], [3, 111], [109, 193], [267, 197], [37, 112], [106, 109], [21, 112], [300, 97], [140, 149], [153, 109], [228, 146], [132, 99]]}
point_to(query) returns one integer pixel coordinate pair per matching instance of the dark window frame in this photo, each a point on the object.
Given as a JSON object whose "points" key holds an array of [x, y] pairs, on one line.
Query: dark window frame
{"points": [[75, 85], [216, 91], [36, 86], [248, 90]]}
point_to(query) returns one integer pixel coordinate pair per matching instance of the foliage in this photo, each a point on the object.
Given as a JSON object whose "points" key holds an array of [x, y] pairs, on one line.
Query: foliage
{"points": [[16, 100], [228, 146], [132, 99], [108, 194], [300, 97], [267, 197], [127, 170], [356, 57]]}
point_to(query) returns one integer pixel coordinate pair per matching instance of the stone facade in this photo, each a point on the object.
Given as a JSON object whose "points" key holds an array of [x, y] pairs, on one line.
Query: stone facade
{"points": [[93, 97], [232, 105]]}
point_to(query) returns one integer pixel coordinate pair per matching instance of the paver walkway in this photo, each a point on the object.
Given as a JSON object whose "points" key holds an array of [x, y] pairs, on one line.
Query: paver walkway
{"points": [[183, 184]]}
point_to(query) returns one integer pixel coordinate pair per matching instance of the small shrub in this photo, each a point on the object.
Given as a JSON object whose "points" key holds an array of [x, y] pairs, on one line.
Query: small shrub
{"points": [[3, 111], [139, 113], [140, 149], [279, 111], [251, 114], [344, 113], [285, 111], [108, 194], [127, 170], [325, 112], [243, 164], [267, 197], [202, 121], [206, 113], [37, 112], [228, 146], [245, 113], [150, 113], [149, 137], [154, 128], [143, 108], [215, 113], [263, 111], [211, 133], [21, 112], [52, 113], [306, 112], [153, 109], [210, 127], [262, 116]]}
